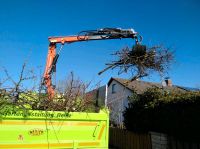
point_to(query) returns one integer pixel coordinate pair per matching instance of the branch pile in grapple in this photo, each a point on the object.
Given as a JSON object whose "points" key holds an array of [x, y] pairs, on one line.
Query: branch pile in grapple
{"points": [[140, 60]]}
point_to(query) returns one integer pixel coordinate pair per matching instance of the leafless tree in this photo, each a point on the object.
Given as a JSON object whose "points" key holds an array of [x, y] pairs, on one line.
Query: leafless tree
{"points": [[71, 94], [15, 93]]}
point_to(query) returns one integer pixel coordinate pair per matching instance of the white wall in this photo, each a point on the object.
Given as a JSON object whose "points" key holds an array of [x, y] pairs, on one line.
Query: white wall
{"points": [[117, 101]]}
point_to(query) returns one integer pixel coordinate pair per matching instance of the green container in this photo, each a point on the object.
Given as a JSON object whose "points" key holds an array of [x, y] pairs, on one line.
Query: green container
{"points": [[54, 130]]}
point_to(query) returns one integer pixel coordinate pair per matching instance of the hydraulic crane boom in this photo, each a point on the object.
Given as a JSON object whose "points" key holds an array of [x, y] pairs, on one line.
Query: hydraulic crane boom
{"points": [[101, 34]]}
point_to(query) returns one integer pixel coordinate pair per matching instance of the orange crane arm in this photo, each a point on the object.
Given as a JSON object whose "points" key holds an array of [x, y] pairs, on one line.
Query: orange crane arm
{"points": [[101, 34]]}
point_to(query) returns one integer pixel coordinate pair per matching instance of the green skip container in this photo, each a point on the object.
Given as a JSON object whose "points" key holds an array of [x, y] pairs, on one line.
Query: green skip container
{"points": [[54, 130]]}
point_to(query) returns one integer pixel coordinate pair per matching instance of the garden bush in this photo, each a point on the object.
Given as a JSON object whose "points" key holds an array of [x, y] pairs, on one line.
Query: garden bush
{"points": [[170, 112]]}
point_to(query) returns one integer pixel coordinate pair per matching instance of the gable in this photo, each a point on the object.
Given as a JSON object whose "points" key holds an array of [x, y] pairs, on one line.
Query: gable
{"points": [[118, 84]]}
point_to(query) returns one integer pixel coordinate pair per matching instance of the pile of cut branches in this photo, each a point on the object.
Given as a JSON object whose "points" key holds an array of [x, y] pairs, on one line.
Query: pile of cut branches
{"points": [[141, 60]]}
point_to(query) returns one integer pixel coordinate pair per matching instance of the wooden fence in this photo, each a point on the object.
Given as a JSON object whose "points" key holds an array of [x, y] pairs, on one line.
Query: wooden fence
{"points": [[123, 139]]}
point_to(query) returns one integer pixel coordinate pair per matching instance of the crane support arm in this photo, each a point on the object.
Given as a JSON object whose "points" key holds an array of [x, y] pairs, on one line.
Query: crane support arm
{"points": [[100, 34]]}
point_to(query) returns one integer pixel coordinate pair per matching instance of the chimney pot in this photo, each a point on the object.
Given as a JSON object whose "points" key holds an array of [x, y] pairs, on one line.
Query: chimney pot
{"points": [[168, 82]]}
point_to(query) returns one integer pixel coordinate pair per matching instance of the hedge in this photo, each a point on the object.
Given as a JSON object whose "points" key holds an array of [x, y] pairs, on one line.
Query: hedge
{"points": [[173, 113]]}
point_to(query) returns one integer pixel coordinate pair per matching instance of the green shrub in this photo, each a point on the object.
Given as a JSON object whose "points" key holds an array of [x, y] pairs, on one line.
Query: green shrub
{"points": [[174, 113]]}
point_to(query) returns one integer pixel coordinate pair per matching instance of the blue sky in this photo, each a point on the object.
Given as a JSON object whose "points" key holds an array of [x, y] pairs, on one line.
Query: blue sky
{"points": [[25, 26]]}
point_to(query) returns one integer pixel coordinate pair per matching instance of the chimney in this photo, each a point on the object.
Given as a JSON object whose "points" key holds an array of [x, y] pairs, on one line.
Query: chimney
{"points": [[168, 82]]}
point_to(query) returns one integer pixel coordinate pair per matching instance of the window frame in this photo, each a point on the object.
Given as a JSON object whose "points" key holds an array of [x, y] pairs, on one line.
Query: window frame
{"points": [[113, 88]]}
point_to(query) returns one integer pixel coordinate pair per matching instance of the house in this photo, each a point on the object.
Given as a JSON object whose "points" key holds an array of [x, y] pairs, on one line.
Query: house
{"points": [[115, 94], [120, 89]]}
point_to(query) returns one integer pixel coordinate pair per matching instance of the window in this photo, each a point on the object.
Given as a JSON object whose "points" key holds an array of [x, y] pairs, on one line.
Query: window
{"points": [[113, 88]]}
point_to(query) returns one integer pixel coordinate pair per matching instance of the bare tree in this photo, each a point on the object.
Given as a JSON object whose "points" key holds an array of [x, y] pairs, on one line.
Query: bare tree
{"points": [[71, 96], [16, 93]]}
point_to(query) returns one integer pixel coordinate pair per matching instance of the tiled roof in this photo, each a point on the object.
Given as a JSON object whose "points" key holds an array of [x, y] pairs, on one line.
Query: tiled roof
{"points": [[141, 86]]}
